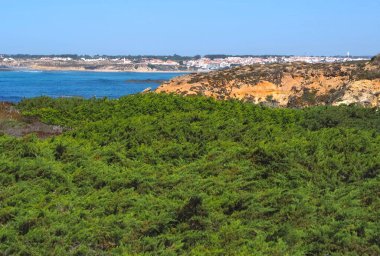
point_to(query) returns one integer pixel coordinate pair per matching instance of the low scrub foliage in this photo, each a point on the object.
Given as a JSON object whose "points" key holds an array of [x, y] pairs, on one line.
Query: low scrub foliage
{"points": [[160, 174]]}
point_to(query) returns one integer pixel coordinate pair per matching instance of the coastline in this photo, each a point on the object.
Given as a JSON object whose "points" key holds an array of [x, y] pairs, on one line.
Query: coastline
{"points": [[114, 71], [100, 70]]}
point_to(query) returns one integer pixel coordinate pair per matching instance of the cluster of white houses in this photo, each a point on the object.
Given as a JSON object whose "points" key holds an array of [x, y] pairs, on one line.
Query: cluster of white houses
{"points": [[193, 64]]}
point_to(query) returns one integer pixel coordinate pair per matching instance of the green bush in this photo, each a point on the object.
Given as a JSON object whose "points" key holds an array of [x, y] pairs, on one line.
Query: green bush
{"points": [[160, 174]]}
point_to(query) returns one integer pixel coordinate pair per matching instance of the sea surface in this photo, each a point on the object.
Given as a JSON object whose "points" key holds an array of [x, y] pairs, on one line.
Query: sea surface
{"points": [[16, 85]]}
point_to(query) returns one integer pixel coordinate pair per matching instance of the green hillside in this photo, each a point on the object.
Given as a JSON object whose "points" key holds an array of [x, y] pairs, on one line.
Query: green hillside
{"points": [[168, 175]]}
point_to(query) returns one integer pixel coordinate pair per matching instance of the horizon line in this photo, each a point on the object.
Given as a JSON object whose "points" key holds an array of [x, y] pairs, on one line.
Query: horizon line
{"points": [[179, 55]]}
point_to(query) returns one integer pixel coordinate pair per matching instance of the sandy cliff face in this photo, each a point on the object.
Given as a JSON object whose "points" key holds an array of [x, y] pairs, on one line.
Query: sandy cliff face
{"points": [[363, 92], [287, 85]]}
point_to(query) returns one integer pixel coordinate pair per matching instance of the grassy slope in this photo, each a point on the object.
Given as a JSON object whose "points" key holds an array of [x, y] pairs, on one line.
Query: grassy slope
{"points": [[166, 175]]}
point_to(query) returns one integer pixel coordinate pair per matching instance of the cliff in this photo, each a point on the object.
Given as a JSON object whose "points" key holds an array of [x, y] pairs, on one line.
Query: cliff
{"points": [[287, 85]]}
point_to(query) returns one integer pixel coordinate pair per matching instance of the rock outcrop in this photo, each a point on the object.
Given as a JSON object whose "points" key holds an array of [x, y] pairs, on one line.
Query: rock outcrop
{"points": [[287, 85], [363, 92], [13, 123]]}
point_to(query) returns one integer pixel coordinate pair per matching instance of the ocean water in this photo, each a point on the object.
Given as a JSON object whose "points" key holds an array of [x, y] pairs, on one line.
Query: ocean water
{"points": [[16, 85]]}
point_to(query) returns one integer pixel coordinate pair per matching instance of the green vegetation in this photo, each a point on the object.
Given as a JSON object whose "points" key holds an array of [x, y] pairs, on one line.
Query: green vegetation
{"points": [[168, 175]]}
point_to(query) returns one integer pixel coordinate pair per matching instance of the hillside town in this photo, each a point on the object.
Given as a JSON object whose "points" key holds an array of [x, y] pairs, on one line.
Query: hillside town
{"points": [[159, 63]]}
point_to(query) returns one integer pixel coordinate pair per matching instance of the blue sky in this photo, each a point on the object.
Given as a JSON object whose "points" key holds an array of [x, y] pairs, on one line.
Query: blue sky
{"points": [[189, 27]]}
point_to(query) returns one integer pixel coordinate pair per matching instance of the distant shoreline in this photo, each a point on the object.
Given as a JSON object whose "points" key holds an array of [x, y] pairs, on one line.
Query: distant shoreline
{"points": [[112, 71], [97, 70]]}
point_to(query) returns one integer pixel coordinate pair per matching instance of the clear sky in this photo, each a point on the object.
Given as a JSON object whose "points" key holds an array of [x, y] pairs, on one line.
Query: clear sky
{"points": [[189, 27]]}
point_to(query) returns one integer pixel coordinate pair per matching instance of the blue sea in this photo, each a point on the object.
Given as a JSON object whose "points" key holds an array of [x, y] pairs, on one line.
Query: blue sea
{"points": [[16, 85]]}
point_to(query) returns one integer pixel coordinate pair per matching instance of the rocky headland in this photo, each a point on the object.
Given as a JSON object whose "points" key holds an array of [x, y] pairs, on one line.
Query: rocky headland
{"points": [[288, 85]]}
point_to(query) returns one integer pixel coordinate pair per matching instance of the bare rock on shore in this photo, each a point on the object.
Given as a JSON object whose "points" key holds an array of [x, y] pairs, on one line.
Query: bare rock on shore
{"points": [[147, 90]]}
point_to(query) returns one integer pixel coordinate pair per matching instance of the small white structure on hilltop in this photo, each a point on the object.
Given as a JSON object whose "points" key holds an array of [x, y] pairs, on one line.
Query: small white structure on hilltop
{"points": [[348, 54]]}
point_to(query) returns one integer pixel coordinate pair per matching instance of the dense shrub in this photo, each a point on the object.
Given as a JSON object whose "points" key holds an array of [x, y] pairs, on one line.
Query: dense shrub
{"points": [[168, 175]]}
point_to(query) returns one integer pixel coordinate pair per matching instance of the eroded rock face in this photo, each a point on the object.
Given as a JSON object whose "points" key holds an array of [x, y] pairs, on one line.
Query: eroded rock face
{"points": [[363, 92], [286, 85]]}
